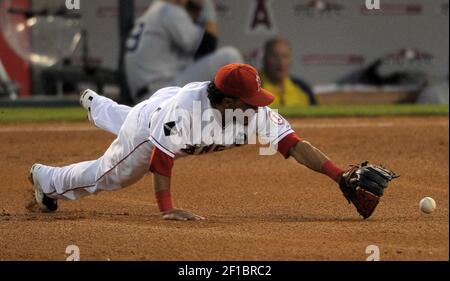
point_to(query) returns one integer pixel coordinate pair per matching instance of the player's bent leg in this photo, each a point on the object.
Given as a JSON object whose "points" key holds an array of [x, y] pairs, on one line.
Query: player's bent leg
{"points": [[205, 68], [70, 182], [103, 112], [110, 172], [125, 162]]}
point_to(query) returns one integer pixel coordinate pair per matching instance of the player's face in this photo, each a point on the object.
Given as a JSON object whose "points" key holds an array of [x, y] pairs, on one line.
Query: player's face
{"points": [[238, 104], [242, 105], [229, 103]]}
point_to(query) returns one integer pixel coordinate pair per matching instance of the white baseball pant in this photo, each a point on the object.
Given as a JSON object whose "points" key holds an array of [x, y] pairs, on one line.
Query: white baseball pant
{"points": [[125, 162]]}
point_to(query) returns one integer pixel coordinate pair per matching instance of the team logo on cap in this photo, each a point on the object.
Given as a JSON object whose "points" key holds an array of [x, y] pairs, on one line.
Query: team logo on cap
{"points": [[258, 82]]}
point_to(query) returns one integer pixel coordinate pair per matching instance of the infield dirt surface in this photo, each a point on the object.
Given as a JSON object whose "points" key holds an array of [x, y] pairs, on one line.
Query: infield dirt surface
{"points": [[256, 207]]}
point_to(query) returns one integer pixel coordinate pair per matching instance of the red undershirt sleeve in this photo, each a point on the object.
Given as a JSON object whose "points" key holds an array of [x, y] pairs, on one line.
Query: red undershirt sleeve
{"points": [[161, 163], [287, 143], [332, 170]]}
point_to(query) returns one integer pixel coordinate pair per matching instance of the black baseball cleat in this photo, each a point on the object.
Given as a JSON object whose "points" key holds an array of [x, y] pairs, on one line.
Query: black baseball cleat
{"points": [[45, 203]]}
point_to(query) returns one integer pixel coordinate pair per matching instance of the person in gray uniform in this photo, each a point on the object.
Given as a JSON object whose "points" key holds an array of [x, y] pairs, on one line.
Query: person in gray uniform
{"points": [[174, 43]]}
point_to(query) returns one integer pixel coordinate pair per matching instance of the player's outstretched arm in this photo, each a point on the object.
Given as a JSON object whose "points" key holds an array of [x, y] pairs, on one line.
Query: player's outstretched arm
{"points": [[362, 185], [162, 191], [309, 156]]}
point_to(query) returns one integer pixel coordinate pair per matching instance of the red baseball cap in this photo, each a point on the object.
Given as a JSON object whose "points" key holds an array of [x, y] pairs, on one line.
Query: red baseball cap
{"points": [[242, 81]]}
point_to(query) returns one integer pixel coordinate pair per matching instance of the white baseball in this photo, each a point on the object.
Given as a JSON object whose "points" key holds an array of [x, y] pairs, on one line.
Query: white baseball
{"points": [[427, 205]]}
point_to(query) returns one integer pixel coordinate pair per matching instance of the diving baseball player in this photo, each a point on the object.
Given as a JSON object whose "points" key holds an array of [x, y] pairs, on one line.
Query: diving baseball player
{"points": [[166, 48], [193, 120]]}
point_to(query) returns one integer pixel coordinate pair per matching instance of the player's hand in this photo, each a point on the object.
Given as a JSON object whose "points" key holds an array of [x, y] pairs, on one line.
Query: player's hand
{"points": [[364, 184], [180, 215]]}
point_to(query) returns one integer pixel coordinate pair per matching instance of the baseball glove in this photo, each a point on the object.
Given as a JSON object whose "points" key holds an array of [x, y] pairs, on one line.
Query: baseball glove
{"points": [[364, 184]]}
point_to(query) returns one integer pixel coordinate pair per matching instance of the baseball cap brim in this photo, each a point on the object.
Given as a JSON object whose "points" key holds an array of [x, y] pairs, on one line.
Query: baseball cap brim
{"points": [[262, 98]]}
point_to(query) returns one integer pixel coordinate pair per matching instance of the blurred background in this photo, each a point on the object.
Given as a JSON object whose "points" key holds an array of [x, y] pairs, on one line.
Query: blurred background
{"points": [[341, 51]]}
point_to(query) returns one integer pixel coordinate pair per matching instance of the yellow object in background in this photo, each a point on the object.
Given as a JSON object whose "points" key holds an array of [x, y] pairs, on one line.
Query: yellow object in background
{"points": [[292, 94]]}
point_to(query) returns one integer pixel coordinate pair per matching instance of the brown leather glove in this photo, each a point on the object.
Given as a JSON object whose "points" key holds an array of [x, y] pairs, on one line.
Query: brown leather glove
{"points": [[364, 184]]}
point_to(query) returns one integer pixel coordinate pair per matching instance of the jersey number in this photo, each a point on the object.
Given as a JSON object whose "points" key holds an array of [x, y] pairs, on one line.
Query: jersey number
{"points": [[135, 38]]}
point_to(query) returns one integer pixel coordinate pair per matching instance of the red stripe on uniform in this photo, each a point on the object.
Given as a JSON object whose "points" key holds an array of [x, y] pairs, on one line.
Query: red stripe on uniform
{"points": [[118, 163]]}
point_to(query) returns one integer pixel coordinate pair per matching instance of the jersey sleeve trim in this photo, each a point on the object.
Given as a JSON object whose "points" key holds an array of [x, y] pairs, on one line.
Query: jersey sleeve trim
{"points": [[161, 147], [282, 135]]}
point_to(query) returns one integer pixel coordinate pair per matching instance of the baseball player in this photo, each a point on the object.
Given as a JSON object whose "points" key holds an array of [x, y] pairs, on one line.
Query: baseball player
{"points": [[157, 131], [167, 47]]}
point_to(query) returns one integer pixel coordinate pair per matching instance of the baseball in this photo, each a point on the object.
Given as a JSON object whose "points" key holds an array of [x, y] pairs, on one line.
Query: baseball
{"points": [[427, 205]]}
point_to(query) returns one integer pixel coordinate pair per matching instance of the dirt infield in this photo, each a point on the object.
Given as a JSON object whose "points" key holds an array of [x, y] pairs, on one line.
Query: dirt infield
{"points": [[257, 207]]}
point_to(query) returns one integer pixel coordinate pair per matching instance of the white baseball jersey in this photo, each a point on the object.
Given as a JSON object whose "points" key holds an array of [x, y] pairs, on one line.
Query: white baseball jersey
{"points": [[183, 124], [156, 122], [163, 42]]}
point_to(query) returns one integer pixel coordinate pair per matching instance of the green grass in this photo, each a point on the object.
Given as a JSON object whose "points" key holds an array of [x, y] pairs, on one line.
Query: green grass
{"points": [[365, 110], [42, 114], [73, 114]]}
